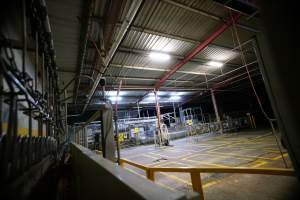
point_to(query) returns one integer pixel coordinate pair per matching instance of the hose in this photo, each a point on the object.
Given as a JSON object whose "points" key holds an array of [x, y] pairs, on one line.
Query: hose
{"points": [[270, 120]]}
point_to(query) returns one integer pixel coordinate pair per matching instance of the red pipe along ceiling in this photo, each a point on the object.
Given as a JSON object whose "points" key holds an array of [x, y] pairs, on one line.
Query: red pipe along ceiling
{"points": [[199, 48]]}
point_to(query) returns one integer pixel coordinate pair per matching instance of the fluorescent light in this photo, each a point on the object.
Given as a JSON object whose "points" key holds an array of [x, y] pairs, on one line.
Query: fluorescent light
{"points": [[114, 93], [146, 102], [159, 56], [175, 98], [114, 98], [151, 98], [159, 93], [215, 64], [182, 93]]}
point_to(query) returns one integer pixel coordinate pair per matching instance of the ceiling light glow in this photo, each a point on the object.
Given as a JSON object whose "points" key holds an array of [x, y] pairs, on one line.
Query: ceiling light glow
{"points": [[175, 98], [159, 56], [114, 98], [215, 64], [114, 93], [151, 98]]}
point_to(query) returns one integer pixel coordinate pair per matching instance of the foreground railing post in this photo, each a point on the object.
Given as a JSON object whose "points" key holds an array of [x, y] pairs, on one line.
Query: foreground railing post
{"points": [[197, 184], [150, 174]]}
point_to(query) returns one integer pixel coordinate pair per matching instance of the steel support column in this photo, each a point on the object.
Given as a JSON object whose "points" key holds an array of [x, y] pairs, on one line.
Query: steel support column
{"points": [[158, 117], [174, 110], [213, 98], [138, 107]]}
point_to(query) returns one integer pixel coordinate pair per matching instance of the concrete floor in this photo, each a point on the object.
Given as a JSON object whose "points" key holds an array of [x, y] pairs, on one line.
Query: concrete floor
{"points": [[241, 149]]}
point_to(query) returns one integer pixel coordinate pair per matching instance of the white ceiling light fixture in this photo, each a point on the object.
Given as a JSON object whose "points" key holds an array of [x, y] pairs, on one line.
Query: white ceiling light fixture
{"points": [[114, 98], [151, 98], [215, 64], [156, 56], [146, 102], [179, 93], [175, 98], [114, 93], [159, 93]]}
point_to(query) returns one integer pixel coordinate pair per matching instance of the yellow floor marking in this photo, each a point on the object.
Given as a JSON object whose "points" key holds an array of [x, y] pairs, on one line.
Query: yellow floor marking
{"points": [[212, 148], [145, 164], [140, 154], [206, 185], [174, 157], [184, 164], [226, 145], [162, 164], [242, 156], [190, 150], [279, 157], [177, 179], [133, 156], [259, 164], [205, 163], [221, 156], [146, 155]]}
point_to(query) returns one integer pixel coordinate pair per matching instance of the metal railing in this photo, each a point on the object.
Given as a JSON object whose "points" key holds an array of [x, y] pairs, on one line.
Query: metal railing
{"points": [[196, 171]]}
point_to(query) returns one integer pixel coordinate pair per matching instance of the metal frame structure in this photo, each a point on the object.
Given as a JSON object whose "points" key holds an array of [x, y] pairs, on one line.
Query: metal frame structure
{"points": [[105, 56], [20, 153]]}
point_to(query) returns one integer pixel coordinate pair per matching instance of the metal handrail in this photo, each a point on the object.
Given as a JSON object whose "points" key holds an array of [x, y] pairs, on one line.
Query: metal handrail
{"points": [[196, 171]]}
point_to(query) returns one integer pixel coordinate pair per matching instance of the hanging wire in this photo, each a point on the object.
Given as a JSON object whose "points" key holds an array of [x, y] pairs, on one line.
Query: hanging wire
{"points": [[255, 93]]}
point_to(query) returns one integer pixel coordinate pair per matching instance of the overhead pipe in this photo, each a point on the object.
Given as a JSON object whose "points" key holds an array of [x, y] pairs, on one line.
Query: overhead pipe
{"points": [[133, 10], [146, 79], [83, 50], [226, 81], [199, 48], [227, 73], [217, 88]]}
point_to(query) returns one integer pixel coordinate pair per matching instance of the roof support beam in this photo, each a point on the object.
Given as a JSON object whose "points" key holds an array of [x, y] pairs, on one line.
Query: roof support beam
{"points": [[199, 48], [133, 10], [208, 14], [110, 20], [179, 57], [146, 79], [171, 36], [161, 70], [145, 87], [85, 28]]}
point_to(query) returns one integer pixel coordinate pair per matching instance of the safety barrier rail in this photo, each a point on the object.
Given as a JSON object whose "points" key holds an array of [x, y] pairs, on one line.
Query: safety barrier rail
{"points": [[196, 171]]}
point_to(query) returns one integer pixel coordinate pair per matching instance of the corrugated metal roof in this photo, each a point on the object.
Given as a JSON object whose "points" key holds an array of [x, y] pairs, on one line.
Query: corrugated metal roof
{"points": [[132, 59], [65, 27], [146, 41], [66, 31], [162, 16], [158, 16]]}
